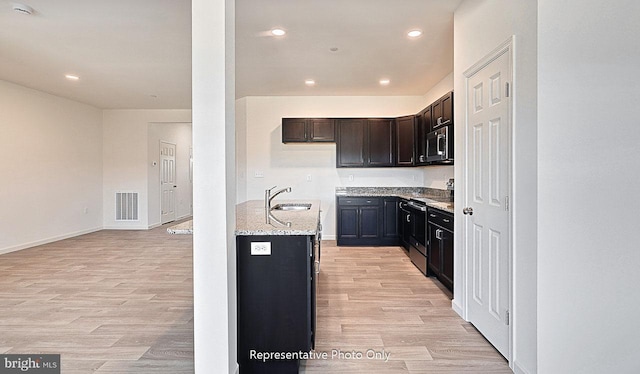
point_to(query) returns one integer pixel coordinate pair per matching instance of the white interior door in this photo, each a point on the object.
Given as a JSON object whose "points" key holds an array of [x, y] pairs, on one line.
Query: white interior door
{"points": [[488, 181], [168, 181]]}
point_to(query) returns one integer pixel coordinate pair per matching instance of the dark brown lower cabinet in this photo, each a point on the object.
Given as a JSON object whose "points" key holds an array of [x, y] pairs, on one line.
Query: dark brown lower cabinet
{"points": [[276, 300], [440, 247], [390, 226], [404, 224], [367, 221], [359, 220]]}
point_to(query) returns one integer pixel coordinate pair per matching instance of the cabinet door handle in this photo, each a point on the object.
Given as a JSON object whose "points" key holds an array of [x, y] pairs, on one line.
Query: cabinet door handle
{"points": [[317, 267], [438, 234], [446, 220], [432, 215], [440, 152], [408, 218]]}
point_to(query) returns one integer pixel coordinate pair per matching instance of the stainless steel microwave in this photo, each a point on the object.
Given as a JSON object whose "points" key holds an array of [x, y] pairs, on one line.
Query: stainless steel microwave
{"points": [[440, 146]]}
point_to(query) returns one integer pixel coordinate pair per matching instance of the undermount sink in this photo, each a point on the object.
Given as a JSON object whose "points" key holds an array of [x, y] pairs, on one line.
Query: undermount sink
{"points": [[291, 206]]}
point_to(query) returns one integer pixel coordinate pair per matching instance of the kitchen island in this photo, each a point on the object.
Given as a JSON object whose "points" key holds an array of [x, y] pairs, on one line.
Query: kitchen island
{"points": [[250, 219], [277, 267], [184, 228]]}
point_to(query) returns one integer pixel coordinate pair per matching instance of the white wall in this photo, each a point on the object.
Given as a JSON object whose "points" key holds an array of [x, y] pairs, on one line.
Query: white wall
{"points": [[241, 149], [480, 26], [289, 164], [180, 135], [588, 202], [125, 159], [51, 169], [214, 185], [438, 176], [445, 85]]}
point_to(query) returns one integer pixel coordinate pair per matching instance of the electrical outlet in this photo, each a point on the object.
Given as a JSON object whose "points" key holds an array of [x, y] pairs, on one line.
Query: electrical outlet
{"points": [[309, 178], [350, 177], [260, 248], [258, 174]]}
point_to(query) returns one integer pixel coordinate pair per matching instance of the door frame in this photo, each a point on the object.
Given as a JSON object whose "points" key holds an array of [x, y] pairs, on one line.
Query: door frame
{"points": [[507, 47]]}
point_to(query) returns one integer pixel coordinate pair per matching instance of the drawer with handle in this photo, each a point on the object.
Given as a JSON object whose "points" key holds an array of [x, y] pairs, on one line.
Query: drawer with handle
{"points": [[359, 201], [440, 218]]}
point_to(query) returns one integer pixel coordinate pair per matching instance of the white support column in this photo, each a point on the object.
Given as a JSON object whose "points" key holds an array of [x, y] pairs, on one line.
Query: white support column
{"points": [[214, 185]]}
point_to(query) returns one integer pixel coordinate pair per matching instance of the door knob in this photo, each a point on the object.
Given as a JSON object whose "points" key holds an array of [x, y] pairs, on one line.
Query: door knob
{"points": [[468, 210]]}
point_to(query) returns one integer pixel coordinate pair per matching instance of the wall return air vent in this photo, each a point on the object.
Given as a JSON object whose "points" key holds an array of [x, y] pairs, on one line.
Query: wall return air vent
{"points": [[126, 206]]}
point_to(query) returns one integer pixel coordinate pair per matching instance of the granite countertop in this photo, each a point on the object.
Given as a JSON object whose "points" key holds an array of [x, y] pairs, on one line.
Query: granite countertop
{"points": [[434, 198], [250, 219], [184, 228]]}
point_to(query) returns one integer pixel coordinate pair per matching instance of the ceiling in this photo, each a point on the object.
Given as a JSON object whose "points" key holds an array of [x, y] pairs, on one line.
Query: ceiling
{"points": [[137, 54], [370, 36]]}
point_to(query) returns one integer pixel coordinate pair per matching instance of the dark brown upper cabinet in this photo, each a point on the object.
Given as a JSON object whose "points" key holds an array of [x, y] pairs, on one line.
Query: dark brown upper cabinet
{"points": [[376, 142], [423, 125], [350, 143], [379, 147], [405, 141], [442, 112], [365, 142], [304, 130]]}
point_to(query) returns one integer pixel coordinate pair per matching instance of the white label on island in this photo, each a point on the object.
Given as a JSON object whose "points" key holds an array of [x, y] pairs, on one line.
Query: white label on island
{"points": [[260, 248]]}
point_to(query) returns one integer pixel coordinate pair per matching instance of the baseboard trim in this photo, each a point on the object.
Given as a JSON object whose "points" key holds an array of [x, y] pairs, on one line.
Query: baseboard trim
{"points": [[126, 228], [328, 237], [158, 224], [48, 240], [457, 308], [517, 369]]}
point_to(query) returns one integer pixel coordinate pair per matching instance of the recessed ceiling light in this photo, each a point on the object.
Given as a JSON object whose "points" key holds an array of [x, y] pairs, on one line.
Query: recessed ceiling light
{"points": [[22, 9], [278, 32], [309, 82], [414, 33], [384, 82], [72, 77]]}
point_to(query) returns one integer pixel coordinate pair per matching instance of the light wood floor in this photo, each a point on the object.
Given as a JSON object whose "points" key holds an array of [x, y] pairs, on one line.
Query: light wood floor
{"points": [[375, 298], [108, 302], [122, 302]]}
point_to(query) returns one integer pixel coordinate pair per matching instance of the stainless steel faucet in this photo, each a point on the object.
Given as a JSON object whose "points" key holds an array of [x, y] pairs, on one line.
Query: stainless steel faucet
{"points": [[267, 204], [271, 197]]}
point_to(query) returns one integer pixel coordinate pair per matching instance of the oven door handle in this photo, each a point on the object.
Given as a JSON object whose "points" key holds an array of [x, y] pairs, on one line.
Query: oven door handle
{"points": [[418, 207]]}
